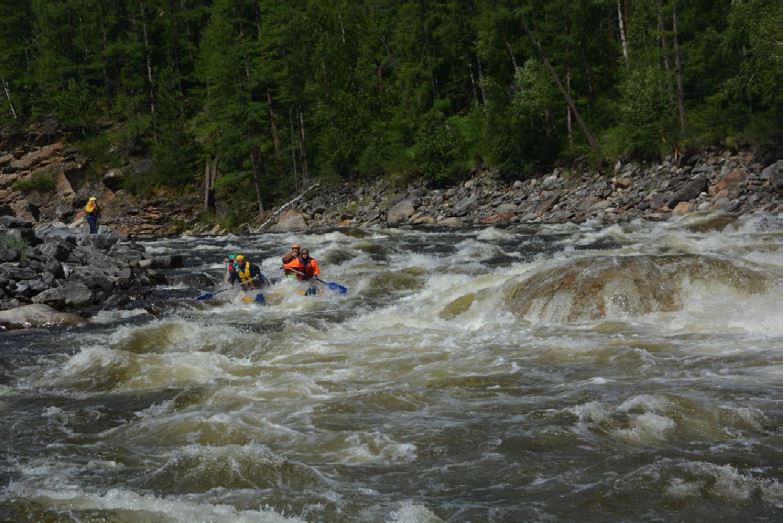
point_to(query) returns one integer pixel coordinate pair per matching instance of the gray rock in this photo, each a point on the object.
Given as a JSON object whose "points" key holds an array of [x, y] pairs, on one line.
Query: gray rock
{"points": [[465, 205], [400, 212], [506, 207], [7, 254], [601, 205], [452, 221], [37, 315], [56, 249], [168, 262], [773, 173], [291, 220]]}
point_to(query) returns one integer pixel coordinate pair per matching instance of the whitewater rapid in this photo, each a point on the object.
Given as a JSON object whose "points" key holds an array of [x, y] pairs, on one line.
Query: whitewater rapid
{"points": [[530, 373]]}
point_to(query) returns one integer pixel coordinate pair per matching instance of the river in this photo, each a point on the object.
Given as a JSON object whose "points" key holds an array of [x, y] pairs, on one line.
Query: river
{"points": [[531, 373]]}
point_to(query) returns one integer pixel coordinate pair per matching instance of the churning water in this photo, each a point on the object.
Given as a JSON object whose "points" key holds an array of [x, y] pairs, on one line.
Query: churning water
{"points": [[576, 373]]}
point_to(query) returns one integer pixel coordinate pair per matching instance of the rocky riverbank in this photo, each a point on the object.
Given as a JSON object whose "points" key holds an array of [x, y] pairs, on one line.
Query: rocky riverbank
{"points": [[715, 180], [42, 180], [50, 271]]}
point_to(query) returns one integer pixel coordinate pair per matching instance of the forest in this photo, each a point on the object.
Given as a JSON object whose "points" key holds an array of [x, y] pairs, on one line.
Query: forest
{"points": [[273, 95]]}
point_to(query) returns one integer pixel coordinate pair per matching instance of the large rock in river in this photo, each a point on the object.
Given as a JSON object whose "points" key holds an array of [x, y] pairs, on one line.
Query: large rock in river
{"points": [[37, 315], [291, 220]]}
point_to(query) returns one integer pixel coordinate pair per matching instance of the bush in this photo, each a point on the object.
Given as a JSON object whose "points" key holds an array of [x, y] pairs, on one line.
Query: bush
{"points": [[40, 181], [12, 242]]}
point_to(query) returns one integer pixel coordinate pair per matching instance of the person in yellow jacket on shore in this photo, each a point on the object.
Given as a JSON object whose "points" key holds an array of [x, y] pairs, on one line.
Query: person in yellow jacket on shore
{"points": [[91, 214]]}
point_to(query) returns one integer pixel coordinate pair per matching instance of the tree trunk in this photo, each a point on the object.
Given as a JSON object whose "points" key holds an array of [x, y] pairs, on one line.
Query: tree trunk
{"points": [[147, 58], [210, 174], [622, 31], [678, 75], [256, 162], [293, 153], [379, 79], [511, 53], [568, 110], [583, 127], [8, 96], [662, 40], [275, 136], [481, 83], [473, 83], [303, 150]]}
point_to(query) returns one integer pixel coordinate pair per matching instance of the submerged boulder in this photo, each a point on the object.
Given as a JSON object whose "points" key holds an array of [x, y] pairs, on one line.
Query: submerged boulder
{"points": [[623, 286], [37, 315]]}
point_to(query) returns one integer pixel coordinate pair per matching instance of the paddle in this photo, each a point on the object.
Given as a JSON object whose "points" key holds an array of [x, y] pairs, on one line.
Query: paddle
{"points": [[209, 295], [333, 286]]}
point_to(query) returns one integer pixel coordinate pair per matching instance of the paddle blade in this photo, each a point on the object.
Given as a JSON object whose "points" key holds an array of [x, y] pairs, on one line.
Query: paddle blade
{"points": [[337, 287], [205, 296]]}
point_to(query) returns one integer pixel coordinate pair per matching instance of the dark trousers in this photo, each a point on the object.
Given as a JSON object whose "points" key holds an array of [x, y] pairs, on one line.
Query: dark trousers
{"points": [[93, 221]]}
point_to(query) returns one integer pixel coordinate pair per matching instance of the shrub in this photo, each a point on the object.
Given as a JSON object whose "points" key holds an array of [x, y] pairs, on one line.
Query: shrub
{"points": [[40, 181]]}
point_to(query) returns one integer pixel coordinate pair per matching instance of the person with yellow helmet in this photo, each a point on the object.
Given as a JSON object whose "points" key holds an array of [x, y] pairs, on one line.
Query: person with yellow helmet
{"points": [[91, 213], [247, 274]]}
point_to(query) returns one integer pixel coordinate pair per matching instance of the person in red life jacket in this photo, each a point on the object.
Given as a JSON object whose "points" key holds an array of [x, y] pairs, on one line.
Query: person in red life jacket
{"points": [[248, 274], [231, 266], [91, 214], [305, 267], [290, 257]]}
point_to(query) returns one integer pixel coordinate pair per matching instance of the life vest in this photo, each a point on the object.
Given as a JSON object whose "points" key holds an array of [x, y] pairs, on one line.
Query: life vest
{"points": [[244, 273], [308, 268], [90, 208]]}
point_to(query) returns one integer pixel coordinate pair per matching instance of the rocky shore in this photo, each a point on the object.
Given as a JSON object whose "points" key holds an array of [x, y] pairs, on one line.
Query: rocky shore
{"points": [[50, 271], [734, 182], [725, 181]]}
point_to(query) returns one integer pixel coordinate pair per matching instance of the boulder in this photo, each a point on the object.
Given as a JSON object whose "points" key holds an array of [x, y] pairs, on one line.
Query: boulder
{"points": [[424, 219], [690, 190], [36, 157], [499, 217], [681, 209], [465, 205], [773, 173], [735, 176], [506, 208], [37, 315], [55, 249], [167, 262], [400, 212], [7, 254], [452, 221], [290, 220]]}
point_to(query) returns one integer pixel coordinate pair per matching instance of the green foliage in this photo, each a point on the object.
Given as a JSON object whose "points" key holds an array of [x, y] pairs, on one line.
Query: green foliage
{"points": [[42, 181], [12, 242], [648, 117], [284, 90]]}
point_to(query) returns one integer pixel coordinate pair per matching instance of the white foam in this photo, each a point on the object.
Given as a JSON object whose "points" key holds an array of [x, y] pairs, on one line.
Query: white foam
{"points": [[375, 447], [409, 512], [179, 509]]}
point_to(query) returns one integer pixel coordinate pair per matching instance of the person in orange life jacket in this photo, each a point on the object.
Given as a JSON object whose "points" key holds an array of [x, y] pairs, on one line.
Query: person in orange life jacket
{"points": [[289, 257], [305, 267], [248, 274], [91, 213]]}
